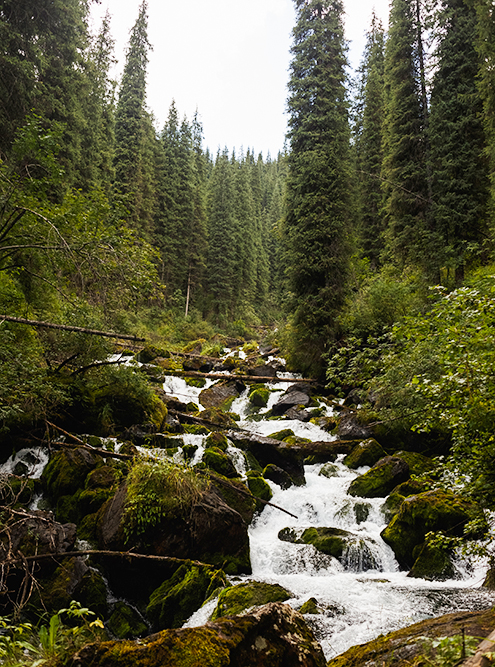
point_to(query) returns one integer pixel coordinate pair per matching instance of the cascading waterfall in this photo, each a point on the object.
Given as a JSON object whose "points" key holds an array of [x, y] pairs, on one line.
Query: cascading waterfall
{"points": [[362, 594], [359, 595]]}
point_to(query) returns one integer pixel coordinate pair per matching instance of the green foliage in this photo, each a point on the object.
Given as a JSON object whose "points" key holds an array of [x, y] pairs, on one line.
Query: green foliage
{"points": [[158, 490], [21, 644], [448, 651]]}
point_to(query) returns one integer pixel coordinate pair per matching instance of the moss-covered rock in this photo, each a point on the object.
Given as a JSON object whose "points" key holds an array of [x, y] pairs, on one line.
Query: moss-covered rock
{"points": [[66, 471], [177, 598], [259, 488], [272, 636], [278, 475], [329, 470], [259, 396], [150, 353], [431, 511], [379, 481], [366, 453], [419, 464], [126, 623], [218, 417], [217, 439], [236, 495], [282, 435], [432, 563], [236, 599], [221, 394], [330, 541], [406, 647], [411, 487], [188, 451], [216, 460], [199, 383], [310, 607]]}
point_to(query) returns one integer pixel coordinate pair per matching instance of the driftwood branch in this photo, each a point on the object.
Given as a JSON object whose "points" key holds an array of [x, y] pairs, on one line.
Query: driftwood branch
{"points": [[104, 453], [65, 327], [245, 378], [94, 552], [248, 493]]}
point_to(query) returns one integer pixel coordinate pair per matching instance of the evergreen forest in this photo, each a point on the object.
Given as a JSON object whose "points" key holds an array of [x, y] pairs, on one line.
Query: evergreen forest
{"points": [[364, 252]]}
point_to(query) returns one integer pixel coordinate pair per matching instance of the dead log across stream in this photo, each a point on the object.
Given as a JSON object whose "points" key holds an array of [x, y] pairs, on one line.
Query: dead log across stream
{"points": [[65, 327], [244, 378]]}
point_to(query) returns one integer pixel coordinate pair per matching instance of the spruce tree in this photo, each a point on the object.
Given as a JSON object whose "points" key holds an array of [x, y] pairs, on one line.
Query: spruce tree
{"points": [[317, 200], [459, 165], [369, 154], [135, 148], [404, 171], [485, 44]]}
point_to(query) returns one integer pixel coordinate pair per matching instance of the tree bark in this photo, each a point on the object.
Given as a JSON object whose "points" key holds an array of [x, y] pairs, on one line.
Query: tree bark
{"points": [[65, 327]]}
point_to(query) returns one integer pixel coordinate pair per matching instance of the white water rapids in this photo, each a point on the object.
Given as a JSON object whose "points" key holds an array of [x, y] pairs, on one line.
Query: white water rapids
{"points": [[356, 603], [362, 597]]}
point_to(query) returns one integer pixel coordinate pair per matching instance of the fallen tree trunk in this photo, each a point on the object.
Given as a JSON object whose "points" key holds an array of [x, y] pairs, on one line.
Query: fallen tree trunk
{"points": [[107, 554], [65, 327], [244, 378], [104, 453]]}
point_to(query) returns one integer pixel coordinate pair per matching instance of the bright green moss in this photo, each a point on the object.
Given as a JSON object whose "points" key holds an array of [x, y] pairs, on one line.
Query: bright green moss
{"points": [[236, 599]]}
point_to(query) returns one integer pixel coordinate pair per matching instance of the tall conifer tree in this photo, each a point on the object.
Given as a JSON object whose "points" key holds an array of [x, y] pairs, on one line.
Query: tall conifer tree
{"points": [[369, 154], [404, 170], [317, 219], [135, 149], [459, 165]]}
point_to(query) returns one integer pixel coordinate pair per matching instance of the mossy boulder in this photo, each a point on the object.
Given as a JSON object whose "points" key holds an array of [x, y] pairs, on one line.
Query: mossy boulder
{"points": [[66, 471], [435, 510], [177, 598], [432, 563], [419, 464], [366, 453], [272, 636], [329, 470], [126, 623], [236, 495], [282, 435], [406, 647], [330, 541], [392, 504], [218, 417], [217, 439], [199, 383], [310, 607], [150, 353], [216, 460], [259, 396], [278, 475], [259, 488], [221, 394], [379, 481], [237, 599]]}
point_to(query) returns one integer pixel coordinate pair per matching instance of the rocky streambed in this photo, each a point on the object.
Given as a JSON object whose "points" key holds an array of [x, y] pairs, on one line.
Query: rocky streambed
{"points": [[259, 521]]}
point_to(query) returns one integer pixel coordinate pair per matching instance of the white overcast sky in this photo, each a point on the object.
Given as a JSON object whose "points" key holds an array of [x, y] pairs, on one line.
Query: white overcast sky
{"points": [[227, 58]]}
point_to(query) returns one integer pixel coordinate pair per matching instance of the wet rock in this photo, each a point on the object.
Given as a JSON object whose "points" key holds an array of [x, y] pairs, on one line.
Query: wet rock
{"points": [[150, 353], [433, 564], [350, 549], [221, 394], [265, 370], [289, 400], [431, 511], [180, 596], [126, 623], [216, 460], [236, 599], [259, 396], [273, 636], [350, 428], [39, 533], [380, 479], [406, 647], [392, 504], [310, 607], [269, 450], [217, 439], [213, 533], [366, 453], [237, 495], [67, 470], [141, 434], [259, 488], [277, 475], [298, 413]]}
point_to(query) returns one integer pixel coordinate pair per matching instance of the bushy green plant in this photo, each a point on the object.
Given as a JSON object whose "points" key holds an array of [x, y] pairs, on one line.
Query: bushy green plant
{"points": [[158, 490], [21, 644], [447, 651]]}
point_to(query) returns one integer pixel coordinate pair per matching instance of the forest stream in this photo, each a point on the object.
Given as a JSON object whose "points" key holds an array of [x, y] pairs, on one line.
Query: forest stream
{"points": [[355, 597]]}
